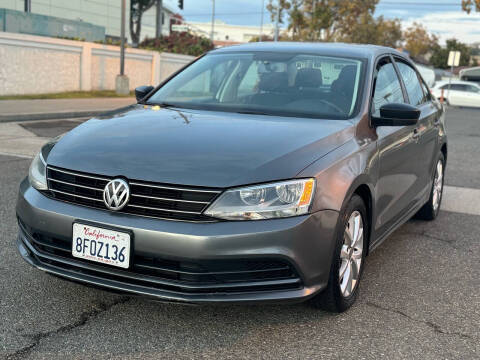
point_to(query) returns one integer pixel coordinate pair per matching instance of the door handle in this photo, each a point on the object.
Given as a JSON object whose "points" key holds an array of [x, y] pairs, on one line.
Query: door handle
{"points": [[416, 134]]}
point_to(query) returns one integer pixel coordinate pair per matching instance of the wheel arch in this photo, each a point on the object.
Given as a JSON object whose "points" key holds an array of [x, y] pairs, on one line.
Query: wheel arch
{"points": [[361, 188]]}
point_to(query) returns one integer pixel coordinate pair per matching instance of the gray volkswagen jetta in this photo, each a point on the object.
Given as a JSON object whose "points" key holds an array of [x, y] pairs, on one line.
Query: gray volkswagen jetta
{"points": [[260, 172]]}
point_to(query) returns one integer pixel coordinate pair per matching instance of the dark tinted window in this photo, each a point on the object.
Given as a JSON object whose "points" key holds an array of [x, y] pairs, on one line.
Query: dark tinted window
{"points": [[471, 88], [387, 87], [457, 87], [412, 84]]}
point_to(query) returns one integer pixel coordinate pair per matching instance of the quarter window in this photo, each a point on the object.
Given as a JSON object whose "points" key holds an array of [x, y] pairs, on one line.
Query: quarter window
{"points": [[412, 84], [387, 87], [473, 89]]}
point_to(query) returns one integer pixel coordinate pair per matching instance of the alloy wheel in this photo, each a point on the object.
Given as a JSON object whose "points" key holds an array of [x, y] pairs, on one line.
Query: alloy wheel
{"points": [[437, 185], [351, 254]]}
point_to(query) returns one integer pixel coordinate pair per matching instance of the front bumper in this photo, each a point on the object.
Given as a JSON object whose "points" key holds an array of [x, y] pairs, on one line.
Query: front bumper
{"points": [[303, 244]]}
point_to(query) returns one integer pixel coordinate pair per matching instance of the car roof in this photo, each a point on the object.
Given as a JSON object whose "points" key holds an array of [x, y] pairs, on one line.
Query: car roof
{"points": [[332, 49], [460, 82]]}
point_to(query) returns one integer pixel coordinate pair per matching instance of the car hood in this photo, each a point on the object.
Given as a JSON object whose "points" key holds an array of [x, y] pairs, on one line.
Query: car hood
{"points": [[201, 148]]}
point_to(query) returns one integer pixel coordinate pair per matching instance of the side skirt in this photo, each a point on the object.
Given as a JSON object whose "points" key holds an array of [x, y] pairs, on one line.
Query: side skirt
{"points": [[408, 215]]}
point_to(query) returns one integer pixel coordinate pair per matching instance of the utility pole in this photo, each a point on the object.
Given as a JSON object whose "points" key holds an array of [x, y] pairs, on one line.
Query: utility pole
{"points": [[314, 5], [158, 27], [277, 20], [261, 22], [121, 81], [122, 40], [28, 6], [213, 20]]}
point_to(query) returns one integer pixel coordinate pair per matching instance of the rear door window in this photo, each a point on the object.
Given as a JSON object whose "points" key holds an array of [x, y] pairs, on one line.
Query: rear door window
{"points": [[412, 84], [457, 87]]}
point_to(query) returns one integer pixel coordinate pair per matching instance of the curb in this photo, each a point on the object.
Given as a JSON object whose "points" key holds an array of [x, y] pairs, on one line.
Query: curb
{"points": [[61, 115]]}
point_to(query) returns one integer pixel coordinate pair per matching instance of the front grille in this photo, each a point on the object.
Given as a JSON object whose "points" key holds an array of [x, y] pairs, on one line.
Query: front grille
{"points": [[186, 277], [146, 199]]}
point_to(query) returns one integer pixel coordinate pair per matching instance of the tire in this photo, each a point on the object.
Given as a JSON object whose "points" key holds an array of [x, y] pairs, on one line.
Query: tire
{"points": [[336, 297], [430, 210]]}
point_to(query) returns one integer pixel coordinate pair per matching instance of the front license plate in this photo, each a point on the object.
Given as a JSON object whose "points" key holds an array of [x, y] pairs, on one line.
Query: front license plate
{"points": [[101, 245]]}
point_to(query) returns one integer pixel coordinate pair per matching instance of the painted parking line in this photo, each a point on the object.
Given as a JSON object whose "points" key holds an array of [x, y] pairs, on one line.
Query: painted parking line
{"points": [[461, 200], [16, 155]]}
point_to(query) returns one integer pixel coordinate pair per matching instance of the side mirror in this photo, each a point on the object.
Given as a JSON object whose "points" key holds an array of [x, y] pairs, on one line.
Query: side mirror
{"points": [[396, 114], [142, 91]]}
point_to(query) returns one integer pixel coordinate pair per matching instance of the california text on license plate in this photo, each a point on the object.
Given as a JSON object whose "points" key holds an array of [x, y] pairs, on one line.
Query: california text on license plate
{"points": [[101, 245]]}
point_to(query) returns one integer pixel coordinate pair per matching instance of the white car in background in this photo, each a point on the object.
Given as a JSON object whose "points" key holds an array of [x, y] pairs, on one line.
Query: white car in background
{"points": [[462, 93]]}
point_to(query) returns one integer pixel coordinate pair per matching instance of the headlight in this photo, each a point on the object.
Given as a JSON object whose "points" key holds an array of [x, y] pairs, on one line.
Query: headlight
{"points": [[37, 174], [276, 200]]}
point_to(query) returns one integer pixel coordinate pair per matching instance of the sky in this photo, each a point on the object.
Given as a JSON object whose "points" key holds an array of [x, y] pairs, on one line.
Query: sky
{"points": [[441, 17]]}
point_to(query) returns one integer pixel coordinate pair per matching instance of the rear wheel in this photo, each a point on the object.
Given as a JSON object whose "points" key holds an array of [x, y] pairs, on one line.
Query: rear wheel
{"points": [[430, 210], [348, 259]]}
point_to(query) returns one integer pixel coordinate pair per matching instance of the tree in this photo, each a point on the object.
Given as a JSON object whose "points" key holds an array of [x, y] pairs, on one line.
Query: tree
{"points": [[369, 30], [297, 20], [329, 20], [348, 16], [389, 32], [272, 7], [137, 9], [468, 5], [439, 57], [418, 42]]}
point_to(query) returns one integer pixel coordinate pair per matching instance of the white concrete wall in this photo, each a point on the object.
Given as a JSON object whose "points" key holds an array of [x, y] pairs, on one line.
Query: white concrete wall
{"points": [[38, 65]]}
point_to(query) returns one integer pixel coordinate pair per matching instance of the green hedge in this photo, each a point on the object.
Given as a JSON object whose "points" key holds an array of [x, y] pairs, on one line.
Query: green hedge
{"points": [[178, 43]]}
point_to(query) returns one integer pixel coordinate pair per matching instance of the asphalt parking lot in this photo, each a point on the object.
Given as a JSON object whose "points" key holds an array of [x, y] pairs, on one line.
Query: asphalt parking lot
{"points": [[420, 295]]}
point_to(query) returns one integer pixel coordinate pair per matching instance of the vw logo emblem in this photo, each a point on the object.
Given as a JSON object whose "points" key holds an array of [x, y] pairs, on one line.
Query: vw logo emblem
{"points": [[116, 194]]}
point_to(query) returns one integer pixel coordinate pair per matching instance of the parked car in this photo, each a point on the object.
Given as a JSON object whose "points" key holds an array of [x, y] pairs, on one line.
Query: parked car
{"points": [[462, 93], [470, 74], [260, 172]]}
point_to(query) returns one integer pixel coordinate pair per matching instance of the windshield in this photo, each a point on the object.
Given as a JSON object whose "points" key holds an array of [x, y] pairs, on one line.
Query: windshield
{"points": [[267, 83]]}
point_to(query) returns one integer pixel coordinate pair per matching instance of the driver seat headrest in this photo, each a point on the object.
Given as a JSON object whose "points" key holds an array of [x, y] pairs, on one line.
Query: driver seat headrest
{"points": [[273, 81], [308, 78]]}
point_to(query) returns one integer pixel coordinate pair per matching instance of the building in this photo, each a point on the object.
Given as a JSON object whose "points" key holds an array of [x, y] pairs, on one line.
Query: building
{"points": [[226, 34], [104, 13]]}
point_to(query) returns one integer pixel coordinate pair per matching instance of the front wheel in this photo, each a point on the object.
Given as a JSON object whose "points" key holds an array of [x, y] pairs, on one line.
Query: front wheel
{"points": [[348, 259], [430, 210]]}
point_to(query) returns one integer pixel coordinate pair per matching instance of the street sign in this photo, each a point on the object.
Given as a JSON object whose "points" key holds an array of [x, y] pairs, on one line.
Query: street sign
{"points": [[453, 58], [180, 28]]}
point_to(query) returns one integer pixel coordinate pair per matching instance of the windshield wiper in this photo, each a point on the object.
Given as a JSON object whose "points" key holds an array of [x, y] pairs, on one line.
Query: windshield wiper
{"points": [[251, 112]]}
